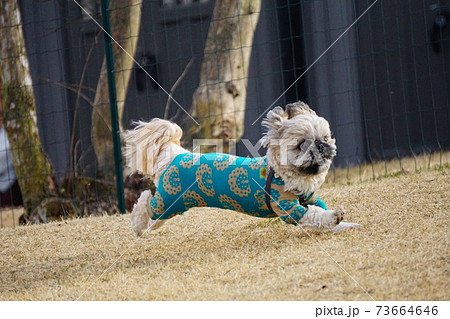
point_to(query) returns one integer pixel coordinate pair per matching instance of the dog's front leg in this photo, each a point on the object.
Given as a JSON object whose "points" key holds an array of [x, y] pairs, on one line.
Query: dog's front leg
{"points": [[320, 218]]}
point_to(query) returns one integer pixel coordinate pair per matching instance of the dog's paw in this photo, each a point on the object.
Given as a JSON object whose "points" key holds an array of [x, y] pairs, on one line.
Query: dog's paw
{"points": [[321, 219], [340, 212], [331, 218], [138, 232], [138, 224]]}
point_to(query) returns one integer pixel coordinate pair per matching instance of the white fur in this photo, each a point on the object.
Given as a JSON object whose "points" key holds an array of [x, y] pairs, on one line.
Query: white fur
{"points": [[139, 217], [152, 146]]}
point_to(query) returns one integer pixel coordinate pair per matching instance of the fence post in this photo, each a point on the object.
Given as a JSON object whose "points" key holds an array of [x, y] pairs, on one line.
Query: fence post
{"points": [[113, 105]]}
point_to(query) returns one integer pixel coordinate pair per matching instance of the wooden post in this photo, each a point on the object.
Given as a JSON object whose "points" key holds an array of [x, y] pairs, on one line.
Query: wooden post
{"points": [[219, 101]]}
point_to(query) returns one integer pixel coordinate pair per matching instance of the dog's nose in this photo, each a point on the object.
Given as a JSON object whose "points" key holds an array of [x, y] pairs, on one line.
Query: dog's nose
{"points": [[320, 146]]}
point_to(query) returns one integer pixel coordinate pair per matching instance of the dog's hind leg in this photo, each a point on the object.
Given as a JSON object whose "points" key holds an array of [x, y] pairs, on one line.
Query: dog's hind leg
{"points": [[140, 216]]}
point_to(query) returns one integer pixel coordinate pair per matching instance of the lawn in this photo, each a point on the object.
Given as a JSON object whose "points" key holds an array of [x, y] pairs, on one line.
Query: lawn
{"points": [[400, 253]]}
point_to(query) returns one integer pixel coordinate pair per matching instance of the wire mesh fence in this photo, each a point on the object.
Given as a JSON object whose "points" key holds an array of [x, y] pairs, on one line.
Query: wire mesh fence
{"points": [[377, 70]]}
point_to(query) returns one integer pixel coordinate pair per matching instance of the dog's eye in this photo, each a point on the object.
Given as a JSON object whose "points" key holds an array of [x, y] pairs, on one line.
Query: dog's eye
{"points": [[326, 139], [301, 146]]}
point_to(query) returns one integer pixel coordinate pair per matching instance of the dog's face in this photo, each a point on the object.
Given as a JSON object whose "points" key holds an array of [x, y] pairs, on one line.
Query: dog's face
{"points": [[309, 146], [300, 146]]}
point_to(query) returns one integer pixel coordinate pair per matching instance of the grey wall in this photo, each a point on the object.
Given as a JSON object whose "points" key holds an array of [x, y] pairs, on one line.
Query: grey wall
{"points": [[170, 36], [333, 82], [405, 82]]}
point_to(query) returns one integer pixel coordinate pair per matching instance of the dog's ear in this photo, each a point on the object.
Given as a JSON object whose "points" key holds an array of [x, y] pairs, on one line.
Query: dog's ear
{"points": [[298, 108], [275, 118], [273, 123]]}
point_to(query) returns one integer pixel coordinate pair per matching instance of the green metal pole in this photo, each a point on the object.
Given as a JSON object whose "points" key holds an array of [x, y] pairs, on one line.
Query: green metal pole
{"points": [[113, 104]]}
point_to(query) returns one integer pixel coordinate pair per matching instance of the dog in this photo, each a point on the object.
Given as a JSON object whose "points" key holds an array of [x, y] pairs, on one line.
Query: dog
{"points": [[282, 184]]}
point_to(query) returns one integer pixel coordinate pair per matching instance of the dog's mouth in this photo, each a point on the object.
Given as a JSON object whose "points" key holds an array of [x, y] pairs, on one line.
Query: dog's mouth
{"points": [[314, 160]]}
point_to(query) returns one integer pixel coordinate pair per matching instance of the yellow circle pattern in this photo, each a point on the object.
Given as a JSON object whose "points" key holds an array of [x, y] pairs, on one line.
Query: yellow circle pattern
{"points": [[203, 175], [239, 183], [171, 180], [230, 203], [193, 199]]}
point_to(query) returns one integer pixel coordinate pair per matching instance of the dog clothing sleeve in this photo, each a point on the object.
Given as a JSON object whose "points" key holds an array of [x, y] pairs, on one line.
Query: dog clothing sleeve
{"points": [[316, 201], [291, 210], [290, 207]]}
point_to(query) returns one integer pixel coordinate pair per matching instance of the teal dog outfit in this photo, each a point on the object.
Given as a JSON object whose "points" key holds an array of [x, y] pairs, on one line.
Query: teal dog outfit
{"points": [[229, 182]]}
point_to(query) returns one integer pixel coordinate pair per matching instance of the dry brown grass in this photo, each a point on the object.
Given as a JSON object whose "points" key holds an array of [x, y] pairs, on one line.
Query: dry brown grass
{"points": [[394, 167], [401, 252]]}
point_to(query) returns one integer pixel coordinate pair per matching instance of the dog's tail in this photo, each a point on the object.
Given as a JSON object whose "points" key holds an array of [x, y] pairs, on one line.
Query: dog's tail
{"points": [[147, 141]]}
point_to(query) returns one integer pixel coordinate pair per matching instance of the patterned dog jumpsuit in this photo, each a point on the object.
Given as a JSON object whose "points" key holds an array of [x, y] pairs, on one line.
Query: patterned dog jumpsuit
{"points": [[225, 181]]}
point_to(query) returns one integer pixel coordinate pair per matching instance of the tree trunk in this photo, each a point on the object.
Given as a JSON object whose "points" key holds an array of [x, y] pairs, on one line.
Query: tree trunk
{"points": [[125, 23], [219, 101], [31, 165]]}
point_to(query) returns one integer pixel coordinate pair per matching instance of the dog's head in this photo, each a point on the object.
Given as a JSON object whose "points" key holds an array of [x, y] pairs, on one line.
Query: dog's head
{"points": [[300, 146]]}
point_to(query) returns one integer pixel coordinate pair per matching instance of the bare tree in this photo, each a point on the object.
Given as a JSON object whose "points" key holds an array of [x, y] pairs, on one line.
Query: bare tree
{"points": [[219, 101], [125, 24], [31, 164]]}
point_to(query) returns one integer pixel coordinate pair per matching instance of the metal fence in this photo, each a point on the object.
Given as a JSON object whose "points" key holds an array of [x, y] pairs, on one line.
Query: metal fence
{"points": [[377, 70]]}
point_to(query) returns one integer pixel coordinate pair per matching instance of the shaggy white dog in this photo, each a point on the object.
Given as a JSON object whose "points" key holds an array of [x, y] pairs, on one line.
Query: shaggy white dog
{"points": [[281, 184]]}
